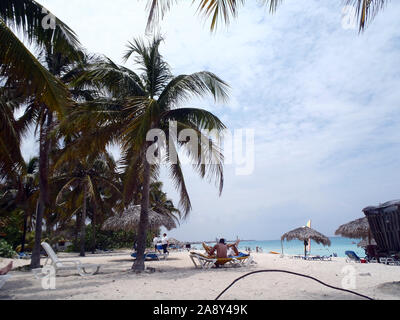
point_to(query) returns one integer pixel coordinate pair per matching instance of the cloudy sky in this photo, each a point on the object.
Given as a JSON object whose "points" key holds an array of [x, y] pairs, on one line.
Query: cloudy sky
{"points": [[322, 99]]}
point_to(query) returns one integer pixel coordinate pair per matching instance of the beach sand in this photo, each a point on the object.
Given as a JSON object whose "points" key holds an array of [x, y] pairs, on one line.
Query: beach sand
{"points": [[177, 279]]}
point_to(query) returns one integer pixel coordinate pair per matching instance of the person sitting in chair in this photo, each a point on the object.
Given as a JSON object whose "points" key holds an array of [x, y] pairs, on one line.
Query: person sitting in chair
{"points": [[225, 250]]}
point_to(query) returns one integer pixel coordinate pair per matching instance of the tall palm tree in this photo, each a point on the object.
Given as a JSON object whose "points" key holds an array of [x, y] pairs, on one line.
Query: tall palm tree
{"points": [[22, 70], [45, 117], [136, 104], [86, 176], [224, 10]]}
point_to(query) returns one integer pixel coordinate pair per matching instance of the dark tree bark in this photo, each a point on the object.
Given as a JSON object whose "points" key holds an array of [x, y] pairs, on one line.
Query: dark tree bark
{"points": [[23, 240], [144, 219], [83, 222], [44, 148]]}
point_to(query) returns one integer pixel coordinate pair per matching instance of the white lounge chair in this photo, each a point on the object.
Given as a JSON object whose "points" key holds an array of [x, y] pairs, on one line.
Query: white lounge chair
{"points": [[65, 264], [3, 279], [203, 262]]}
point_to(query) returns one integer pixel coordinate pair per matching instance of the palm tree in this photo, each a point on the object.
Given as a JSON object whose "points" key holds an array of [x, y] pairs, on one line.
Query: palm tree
{"points": [[29, 195], [86, 176], [22, 70], [136, 104], [20, 193], [46, 118], [217, 10]]}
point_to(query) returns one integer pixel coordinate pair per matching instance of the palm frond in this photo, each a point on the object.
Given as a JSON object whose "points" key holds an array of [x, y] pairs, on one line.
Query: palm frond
{"points": [[199, 84], [156, 71], [366, 10], [19, 65], [28, 16], [215, 10]]}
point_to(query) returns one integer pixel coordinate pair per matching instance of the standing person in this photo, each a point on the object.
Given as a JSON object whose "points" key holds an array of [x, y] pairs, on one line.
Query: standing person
{"points": [[165, 242], [156, 240]]}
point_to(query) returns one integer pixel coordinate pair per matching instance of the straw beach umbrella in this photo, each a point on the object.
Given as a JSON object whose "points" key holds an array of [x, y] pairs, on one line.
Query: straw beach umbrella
{"points": [[355, 229], [130, 218], [304, 234]]}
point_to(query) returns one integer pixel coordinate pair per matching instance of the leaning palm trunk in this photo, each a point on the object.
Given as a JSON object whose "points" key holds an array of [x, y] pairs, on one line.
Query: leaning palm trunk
{"points": [[83, 222], [144, 219], [44, 188]]}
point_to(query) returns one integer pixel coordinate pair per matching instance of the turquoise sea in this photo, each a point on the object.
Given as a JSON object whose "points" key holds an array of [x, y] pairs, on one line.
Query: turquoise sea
{"points": [[339, 246]]}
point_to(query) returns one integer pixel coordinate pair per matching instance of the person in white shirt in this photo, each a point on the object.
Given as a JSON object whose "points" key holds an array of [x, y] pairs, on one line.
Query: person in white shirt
{"points": [[156, 241], [164, 242]]}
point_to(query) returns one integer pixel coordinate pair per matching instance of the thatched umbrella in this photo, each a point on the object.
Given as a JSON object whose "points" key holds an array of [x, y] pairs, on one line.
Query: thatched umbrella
{"points": [[356, 229], [130, 218], [304, 234]]}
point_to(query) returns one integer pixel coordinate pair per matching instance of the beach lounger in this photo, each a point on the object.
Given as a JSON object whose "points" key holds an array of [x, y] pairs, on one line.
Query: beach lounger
{"points": [[319, 258], [65, 264], [352, 257], [389, 261], [206, 262], [152, 256], [203, 262], [3, 279]]}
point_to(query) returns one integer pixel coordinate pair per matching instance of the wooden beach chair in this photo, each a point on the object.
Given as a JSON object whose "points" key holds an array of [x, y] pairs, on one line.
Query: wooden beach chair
{"points": [[241, 260], [206, 262], [58, 264], [3, 279]]}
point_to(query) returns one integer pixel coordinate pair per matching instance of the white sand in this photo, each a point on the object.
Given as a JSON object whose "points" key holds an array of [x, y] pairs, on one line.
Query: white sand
{"points": [[177, 278]]}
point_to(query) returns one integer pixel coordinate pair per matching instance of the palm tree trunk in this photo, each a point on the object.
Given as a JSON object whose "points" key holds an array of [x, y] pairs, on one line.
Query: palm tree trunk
{"points": [[77, 227], [94, 229], [83, 222], [144, 220], [24, 232], [44, 148]]}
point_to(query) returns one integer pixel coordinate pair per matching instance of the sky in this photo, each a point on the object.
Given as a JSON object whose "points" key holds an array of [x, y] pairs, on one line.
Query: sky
{"points": [[322, 99]]}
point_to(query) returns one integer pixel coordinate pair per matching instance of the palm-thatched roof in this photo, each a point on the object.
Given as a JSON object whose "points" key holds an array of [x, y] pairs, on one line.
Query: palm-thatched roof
{"points": [[130, 219], [356, 229], [305, 233]]}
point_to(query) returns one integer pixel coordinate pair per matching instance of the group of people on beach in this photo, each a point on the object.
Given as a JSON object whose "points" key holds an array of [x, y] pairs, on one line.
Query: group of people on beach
{"points": [[161, 243]]}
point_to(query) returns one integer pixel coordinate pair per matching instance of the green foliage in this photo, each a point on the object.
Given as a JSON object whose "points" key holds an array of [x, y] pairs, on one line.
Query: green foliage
{"points": [[6, 250], [13, 228], [106, 240]]}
